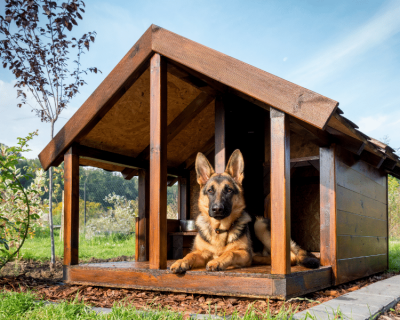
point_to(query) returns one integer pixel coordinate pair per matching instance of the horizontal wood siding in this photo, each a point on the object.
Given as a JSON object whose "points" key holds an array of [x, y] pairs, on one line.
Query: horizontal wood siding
{"points": [[361, 204], [358, 246], [356, 268], [350, 224]]}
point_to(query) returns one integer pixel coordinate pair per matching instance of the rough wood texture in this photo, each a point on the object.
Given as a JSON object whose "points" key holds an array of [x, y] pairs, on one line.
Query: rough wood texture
{"points": [[158, 163], [71, 207], [142, 221], [102, 165], [253, 282], [361, 199], [305, 208], [360, 267], [354, 224], [280, 193], [183, 198], [220, 135], [328, 207], [349, 246], [281, 94]]}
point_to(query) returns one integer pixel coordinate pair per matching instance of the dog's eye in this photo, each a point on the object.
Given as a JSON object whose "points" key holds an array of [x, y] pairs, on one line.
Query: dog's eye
{"points": [[210, 190], [229, 190]]}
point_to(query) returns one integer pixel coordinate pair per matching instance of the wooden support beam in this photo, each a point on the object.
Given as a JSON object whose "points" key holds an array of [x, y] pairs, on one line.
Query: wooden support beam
{"points": [[158, 163], [328, 207], [183, 119], [372, 159], [220, 135], [389, 164], [183, 198], [319, 137], [110, 157], [142, 220], [349, 143], [178, 124], [171, 181], [280, 192], [129, 173], [71, 207], [119, 159]]}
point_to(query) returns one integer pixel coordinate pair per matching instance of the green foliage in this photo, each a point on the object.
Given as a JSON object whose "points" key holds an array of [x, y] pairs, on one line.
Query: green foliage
{"points": [[120, 217], [19, 207], [394, 207], [394, 256]]}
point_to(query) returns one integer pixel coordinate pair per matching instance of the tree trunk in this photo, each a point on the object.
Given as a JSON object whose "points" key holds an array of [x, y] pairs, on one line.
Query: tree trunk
{"points": [[53, 255]]}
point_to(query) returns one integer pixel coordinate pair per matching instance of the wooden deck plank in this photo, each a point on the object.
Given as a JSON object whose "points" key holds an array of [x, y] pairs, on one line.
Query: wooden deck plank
{"points": [[253, 282]]}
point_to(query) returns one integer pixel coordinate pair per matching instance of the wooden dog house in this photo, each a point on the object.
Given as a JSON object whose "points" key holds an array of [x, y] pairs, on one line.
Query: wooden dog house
{"points": [[170, 98]]}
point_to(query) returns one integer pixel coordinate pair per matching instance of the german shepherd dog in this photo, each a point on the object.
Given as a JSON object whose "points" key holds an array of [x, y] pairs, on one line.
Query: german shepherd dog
{"points": [[224, 237]]}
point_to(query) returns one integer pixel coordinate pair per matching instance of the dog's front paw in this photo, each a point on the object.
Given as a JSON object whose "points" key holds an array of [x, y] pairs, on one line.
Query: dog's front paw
{"points": [[180, 266], [214, 265]]}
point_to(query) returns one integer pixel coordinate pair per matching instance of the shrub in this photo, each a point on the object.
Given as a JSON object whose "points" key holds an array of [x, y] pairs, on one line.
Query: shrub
{"points": [[20, 208]]}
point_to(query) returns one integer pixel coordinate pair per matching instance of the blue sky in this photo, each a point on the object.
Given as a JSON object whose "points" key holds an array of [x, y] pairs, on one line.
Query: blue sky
{"points": [[346, 50]]}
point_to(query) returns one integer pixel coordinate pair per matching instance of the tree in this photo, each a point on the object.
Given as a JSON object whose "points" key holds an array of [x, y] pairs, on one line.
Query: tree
{"points": [[37, 52]]}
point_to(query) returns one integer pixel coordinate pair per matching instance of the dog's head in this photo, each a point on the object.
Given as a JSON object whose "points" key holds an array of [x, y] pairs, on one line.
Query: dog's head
{"points": [[221, 194]]}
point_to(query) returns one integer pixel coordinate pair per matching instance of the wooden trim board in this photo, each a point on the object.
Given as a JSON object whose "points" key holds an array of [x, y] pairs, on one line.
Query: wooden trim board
{"points": [[240, 284]]}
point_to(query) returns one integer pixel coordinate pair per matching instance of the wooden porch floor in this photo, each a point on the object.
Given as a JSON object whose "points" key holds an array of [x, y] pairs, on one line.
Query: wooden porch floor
{"points": [[254, 282]]}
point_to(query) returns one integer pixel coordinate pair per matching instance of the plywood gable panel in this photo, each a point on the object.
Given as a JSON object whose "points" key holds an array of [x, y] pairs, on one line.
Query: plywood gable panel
{"points": [[125, 129]]}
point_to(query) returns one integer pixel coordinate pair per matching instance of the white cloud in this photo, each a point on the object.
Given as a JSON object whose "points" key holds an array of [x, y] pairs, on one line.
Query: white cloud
{"points": [[381, 27], [372, 123], [381, 125]]}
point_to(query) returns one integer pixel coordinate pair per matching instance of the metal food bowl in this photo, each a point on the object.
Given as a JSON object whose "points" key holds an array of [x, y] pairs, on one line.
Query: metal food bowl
{"points": [[187, 225]]}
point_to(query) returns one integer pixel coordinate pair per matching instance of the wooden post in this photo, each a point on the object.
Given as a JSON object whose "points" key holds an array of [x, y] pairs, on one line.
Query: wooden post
{"points": [[71, 207], [142, 220], [220, 130], [62, 217], [280, 192], [183, 198], [158, 162], [328, 206]]}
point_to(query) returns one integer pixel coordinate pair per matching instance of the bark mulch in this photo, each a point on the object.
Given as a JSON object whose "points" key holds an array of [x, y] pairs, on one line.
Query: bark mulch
{"points": [[47, 284], [393, 313]]}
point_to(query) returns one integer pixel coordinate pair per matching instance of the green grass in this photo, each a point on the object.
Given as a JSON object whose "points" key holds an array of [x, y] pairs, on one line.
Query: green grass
{"points": [[100, 247], [18, 305], [394, 255]]}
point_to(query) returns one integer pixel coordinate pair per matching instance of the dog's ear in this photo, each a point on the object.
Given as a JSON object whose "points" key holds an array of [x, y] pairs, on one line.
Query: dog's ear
{"points": [[235, 166], [204, 169]]}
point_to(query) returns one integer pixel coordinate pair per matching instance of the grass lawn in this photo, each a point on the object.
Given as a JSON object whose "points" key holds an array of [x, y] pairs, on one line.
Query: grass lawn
{"points": [[18, 305], [100, 247], [394, 255]]}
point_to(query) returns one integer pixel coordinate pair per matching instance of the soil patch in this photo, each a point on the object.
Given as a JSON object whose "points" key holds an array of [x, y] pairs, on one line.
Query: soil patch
{"points": [[47, 284]]}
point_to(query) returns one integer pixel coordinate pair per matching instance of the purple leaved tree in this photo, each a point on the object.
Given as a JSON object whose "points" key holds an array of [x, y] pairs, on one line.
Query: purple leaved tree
{"points": [[35, 46]]}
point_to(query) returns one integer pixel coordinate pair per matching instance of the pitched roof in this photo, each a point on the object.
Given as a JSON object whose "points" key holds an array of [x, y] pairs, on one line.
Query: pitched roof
{"points": [[215, 69]]}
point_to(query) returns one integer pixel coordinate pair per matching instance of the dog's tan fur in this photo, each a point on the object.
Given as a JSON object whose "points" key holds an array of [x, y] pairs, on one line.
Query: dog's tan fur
{"points": [[218, 251], [210, 249]]}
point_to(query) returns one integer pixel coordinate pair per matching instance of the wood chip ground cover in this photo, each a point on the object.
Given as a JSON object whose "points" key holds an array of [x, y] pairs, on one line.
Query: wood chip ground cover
{"points": [[47, 284]]}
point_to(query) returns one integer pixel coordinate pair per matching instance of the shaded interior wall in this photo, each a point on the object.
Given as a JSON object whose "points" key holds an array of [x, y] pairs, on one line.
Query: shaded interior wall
{"points": [[244, 131], [305, 208], [361, 218]]}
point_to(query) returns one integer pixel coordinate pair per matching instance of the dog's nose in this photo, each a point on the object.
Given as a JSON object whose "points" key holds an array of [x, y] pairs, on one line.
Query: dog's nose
{"points": [[218, 208]]}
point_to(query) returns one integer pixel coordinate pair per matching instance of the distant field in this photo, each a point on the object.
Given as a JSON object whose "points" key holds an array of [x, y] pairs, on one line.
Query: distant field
{"points": [[100, 247]]}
